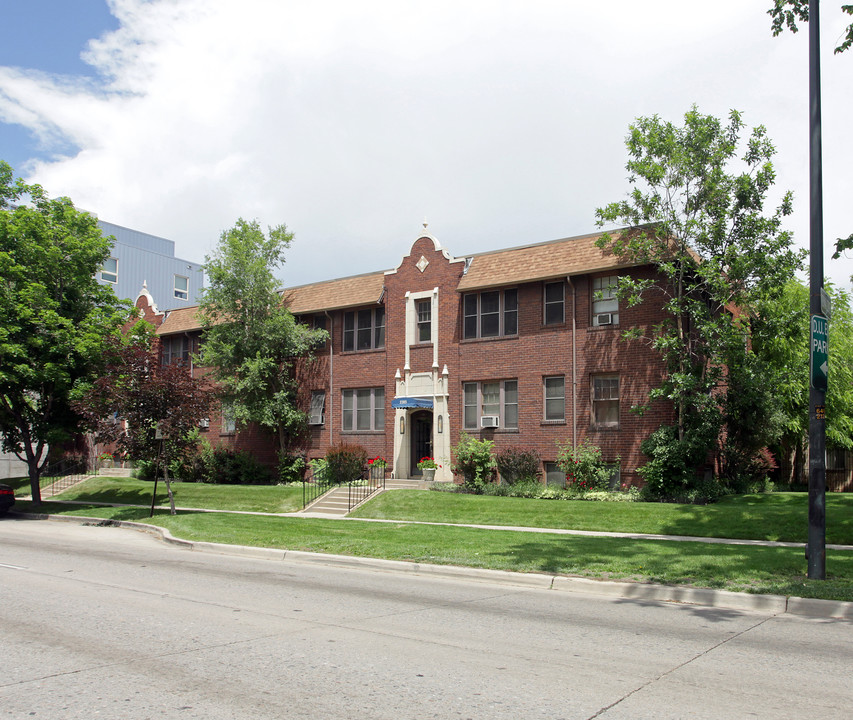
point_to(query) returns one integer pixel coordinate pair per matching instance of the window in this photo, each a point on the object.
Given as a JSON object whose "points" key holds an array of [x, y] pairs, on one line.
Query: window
{"points": [[555, 397], [175, 349], [555, 303], [315, 322], [182, 287], [490, 314], [605, 304], [109, 272], [364, 329], [229, 422], [498, 398], [424, 310], [605, 400], [364, 409], [317, 413], [553, 475]]}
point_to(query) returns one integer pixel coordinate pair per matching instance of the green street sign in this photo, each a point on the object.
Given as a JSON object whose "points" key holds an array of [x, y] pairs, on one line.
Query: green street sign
{"points": [[820, 352]]}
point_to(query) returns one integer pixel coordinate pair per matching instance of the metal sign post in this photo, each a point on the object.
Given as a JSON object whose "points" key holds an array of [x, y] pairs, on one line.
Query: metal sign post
{"points": [[816, 549]]}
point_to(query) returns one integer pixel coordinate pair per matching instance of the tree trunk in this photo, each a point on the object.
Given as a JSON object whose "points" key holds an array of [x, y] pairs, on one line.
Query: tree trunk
{"points": [[169, 487]]}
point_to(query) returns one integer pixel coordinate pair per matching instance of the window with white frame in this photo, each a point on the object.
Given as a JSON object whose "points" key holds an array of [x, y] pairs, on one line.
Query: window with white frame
{"points": [[364, 329], [497, 398], [605, 303], [554, 389], [317, 412], [490, 314], [109, 272], [182, 287], [424, 319], [605, 400], [555, 303], [363, 409]]}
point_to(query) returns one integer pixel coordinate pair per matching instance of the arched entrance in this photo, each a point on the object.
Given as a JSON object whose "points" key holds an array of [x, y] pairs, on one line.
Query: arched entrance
{"points": [[420, 438]]}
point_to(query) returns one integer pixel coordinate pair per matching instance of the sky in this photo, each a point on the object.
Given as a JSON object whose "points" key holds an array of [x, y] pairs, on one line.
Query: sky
{"points": [[497, 122]]}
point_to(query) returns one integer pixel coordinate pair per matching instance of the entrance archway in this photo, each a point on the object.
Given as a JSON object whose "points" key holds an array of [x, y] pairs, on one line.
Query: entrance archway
{"points": [[420, 436]]}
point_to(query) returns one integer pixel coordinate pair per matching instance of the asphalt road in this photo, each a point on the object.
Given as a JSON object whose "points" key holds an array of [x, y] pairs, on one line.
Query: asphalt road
{"points": [[102, 622]]}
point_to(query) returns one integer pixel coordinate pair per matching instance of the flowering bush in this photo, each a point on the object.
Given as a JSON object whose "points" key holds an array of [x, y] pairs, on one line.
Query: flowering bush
{"points": [[475, 462], [427, 463], [584, 466], [377, 462]]}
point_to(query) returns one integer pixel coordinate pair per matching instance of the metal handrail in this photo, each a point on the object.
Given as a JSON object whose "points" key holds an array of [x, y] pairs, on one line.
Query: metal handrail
{"points": [[64, 473], [375, 480]]}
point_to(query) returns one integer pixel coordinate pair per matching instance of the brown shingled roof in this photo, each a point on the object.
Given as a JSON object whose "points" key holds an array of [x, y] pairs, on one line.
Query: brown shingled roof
{"points": [[335, 294], [558, 258], [178, 321]]}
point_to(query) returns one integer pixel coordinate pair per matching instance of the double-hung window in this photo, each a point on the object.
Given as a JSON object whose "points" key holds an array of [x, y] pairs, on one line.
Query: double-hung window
{"points": [[490, 314], [555, 303], [605, 303], [605, 400], [364, 409], [109, 272], [555, 398], [424, 313], [364, 329], [317, 413], [497, 398]]}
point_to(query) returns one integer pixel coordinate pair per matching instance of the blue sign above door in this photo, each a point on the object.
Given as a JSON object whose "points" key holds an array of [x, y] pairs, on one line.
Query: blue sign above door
{"points": [[410, 402]]}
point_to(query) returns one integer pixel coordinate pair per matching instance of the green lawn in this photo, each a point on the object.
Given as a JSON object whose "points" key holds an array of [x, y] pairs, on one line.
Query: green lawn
{"points": [[773, 516], [734, 567], [129, 491]]}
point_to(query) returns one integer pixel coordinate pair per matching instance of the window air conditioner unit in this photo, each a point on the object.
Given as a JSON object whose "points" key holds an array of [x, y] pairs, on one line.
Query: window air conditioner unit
{"points": [[317, 419], [204, 423], [604, 318], [489, 421]]}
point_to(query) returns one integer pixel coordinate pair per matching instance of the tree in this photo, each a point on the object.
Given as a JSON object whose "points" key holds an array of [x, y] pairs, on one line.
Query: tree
{"points": [[159, 406], [54, 317], [250, 339], [781, 340], [786, 13], [701, 223]]}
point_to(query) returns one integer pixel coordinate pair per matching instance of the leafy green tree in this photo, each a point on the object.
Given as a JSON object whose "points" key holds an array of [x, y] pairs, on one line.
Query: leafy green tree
{"points": [[250, 339], [697, 211], [160, 406], [55, 318], [781, 340], [786, 13]]}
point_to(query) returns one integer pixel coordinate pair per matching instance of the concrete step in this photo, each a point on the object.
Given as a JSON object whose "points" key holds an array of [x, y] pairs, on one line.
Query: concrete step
{"points": [[115, 472]]}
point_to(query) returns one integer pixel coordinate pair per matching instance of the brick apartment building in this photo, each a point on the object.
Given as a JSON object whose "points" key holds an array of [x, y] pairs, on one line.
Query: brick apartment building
{"points": [[521, 346]]}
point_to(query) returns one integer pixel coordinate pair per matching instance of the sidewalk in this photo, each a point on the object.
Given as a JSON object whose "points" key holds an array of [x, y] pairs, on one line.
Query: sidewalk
{"points": [[634, 591], [510, 528]]}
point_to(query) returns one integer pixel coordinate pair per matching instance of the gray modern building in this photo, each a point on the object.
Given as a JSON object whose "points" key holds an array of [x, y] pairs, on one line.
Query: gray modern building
{"points": [[141, 259]]}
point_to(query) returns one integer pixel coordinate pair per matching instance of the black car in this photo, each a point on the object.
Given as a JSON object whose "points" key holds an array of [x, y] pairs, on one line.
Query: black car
{"points": [[7, 498]]}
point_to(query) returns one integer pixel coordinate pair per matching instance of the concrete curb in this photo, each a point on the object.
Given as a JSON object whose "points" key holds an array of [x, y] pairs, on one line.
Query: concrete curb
{"points": [[706, 597]]}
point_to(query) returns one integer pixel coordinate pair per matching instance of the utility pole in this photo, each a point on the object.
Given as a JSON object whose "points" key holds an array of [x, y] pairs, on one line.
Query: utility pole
{"points": [[816, 548]]}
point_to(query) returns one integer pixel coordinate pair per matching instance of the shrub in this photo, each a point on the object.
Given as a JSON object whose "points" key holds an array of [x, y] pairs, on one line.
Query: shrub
{"points": [[291, 468], [345, 463], [226, 466], [474, 462], [515, 464], [584, 466]]}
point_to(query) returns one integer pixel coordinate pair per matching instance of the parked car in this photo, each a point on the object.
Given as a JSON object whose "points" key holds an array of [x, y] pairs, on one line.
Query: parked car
{"points": [[7, 498]]}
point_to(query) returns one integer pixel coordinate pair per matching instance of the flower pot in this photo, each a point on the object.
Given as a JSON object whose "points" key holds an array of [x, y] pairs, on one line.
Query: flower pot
{"points": [[428, 474]]}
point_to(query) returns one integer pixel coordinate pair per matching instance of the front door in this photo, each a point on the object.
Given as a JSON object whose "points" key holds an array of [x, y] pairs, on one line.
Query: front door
{"points": [[421, 438]]}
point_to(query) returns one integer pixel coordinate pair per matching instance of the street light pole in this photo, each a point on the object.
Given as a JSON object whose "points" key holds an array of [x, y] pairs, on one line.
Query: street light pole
{"points": [[816, 548]]}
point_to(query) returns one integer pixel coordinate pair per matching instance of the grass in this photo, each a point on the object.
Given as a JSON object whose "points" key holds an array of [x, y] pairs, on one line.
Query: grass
{"points": [[773, 516], [733, 567], [780, 516], [129, 491]]}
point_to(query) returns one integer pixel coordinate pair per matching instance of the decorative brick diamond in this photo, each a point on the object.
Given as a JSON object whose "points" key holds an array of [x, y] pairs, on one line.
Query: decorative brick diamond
{"points": [[422, 263]]}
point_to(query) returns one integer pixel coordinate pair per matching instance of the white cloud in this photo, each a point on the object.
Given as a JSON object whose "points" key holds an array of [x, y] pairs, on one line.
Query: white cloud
{"points": [[501, 122]]}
